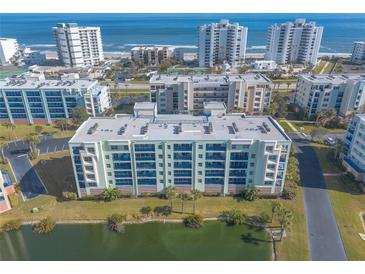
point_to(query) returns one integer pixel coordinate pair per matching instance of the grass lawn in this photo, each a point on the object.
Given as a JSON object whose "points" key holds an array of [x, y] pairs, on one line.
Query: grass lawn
{"points": [[56, 173], [318, 68], [285, 126], [118, 93], [21, 131], [329, 67], [124, 108], [280, 81], [347, 202], [139, 81], [307, 127]]}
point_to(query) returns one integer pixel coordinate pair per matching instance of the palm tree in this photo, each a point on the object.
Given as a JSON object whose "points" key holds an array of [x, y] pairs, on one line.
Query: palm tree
{"points": [[170, 194], [33, 141], [285, 220], [10, 127], [195, 195], [2, 157], [184, 196], [275, 208]]}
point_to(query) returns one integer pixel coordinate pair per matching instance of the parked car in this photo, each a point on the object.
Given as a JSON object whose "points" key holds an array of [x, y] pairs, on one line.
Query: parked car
{"points": [[20, 151], [330, 141]]}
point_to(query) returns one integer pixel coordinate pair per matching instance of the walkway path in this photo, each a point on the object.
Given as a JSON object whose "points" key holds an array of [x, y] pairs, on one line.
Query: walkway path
{"points": [[291, 126], [324, 238]]}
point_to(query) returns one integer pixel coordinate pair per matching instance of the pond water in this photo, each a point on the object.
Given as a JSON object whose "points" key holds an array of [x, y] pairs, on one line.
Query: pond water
{"points": [[150, 241]]}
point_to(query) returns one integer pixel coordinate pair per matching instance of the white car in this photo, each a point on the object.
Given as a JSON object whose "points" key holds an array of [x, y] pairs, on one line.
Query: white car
{"points": [[330, 141]]}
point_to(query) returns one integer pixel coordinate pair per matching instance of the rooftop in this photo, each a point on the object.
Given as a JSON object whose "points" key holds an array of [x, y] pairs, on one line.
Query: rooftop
{"points": [[235, 126], [330, 78], [23, 83], [219, 78]]}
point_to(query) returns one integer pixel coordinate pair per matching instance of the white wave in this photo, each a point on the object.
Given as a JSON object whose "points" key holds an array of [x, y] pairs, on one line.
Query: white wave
{"points": [[42, 45], [161, 45], [257, 47]]}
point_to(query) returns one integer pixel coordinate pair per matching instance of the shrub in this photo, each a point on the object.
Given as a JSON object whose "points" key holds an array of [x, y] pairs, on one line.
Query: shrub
{"points": [[45, 226], [233, 217], [249, 194], [289, 194], [194, 221], [211, 194], [91, 198], [69, 196], [115, 222], [111, 194], [146, 211], [268, 196], [125, 195], [12, 225]]}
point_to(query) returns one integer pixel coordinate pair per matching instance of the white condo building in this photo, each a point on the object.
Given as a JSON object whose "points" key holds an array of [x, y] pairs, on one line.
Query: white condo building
{"points": [[294, 42], [8, 49], [78, 46], [187, 93], [147, 152], [358, 53], [34, 100], [222, 42], [344, 93], [150, 55]]}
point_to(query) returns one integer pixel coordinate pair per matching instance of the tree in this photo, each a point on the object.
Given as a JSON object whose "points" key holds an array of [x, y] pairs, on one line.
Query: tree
{"points": [[61, 124], [111, 194], [146, 211], [33, 141], [10, 127], [2, 156], [170, 194], [194, 221], [339, 147], [249, 194], [38, 129], [324, 116], [195, 195], [275, 208], [166, 211], [285, 218], [184, 196], [44, 226], [79, 115], [115, 222], [278, 107]]}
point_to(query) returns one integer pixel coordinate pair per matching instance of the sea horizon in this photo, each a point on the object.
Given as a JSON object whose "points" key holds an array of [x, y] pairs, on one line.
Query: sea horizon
{"points": [[121, 32]]}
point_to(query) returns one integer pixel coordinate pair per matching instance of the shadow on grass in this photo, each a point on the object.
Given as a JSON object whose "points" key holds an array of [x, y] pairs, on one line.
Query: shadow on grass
{"points": [[57, 175], [250, 239]]}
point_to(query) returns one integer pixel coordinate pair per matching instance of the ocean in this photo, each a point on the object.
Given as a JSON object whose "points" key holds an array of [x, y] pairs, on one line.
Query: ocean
{"points": [[120, 32]]}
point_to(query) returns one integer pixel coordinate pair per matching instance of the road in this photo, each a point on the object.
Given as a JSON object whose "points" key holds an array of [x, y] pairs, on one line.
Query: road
{"points": [[30, 183], [324, 237]]}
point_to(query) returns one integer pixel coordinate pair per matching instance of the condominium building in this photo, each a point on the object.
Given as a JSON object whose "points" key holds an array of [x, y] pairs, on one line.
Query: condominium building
{"points": [[7, 187], [31, 100], [344, 93], [182, 93], [294, 42], [8, 50], [147, 152], [222, 42], [78, 46], [358, 53], [34, 57], [354, 148], [150, 55]]}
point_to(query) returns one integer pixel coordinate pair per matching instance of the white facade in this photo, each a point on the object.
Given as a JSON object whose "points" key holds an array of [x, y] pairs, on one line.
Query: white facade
{"points": [[147, 152], [222, 42], [182, 93], [78, 46], [8, 49], [150, 55], [294, 42], [344, 93], [264, 65], [358, 53]]}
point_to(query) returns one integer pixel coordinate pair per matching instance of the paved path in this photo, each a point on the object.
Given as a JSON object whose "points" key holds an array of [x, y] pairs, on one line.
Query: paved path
{"points": [[30, 183], [324, 237]]}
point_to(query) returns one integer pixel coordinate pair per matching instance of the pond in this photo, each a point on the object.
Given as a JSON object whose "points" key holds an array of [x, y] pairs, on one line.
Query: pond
{"points": [[150, 241]]}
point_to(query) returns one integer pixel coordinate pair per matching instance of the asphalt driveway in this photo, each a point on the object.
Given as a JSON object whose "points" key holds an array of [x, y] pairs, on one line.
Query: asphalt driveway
{"points": [[324, 237]]}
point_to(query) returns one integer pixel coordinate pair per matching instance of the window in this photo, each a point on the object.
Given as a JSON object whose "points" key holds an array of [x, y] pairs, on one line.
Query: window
{"points": [[107, 157], [200, 173], [108, 165], [109, 174], [200, 146]]}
